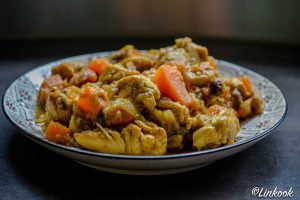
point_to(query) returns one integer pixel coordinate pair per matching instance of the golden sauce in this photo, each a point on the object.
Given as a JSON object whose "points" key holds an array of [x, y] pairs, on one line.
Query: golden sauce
{"points": [[41, 117]]}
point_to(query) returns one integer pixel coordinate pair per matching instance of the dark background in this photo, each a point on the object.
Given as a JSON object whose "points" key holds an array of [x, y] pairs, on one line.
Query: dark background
{"points": [[263, 20], [262, 35], [79, 26]]}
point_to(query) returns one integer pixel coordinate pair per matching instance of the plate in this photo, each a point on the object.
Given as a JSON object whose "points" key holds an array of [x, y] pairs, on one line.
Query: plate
{"points": [[19, 103]]}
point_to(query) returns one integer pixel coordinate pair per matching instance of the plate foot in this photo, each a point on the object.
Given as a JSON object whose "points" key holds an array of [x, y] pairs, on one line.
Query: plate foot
{"points": [[142, 172]]}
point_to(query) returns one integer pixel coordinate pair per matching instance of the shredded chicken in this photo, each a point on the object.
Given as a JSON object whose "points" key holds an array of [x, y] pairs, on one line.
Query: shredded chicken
{"points": [[102, 140], [139, 138], [144, 138], [221, 129]]}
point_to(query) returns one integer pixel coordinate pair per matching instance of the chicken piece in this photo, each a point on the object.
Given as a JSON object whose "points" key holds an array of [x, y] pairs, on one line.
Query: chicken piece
{"points": [[250, 107], [113, 73], [150, 74], [236, 98], [197, 52], [206, 138], [257, 105], [175, 142], [119, 112], [140, 89], [172, 116], [173, 56], [167, 120], [153, 54], [180, 111], [83, 76], [73, 93], [78, 124], [139, 63], [236, 83], [126, 52], [195, 122], [221, 129], [68, 69], [198, 104], [144, 138], [59, 106], [198, 121], [102, 140], [199, 75]]}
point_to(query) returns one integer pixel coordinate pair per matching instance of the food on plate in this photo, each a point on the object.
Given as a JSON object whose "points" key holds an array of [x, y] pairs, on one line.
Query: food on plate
{"points": [[145, 102]]}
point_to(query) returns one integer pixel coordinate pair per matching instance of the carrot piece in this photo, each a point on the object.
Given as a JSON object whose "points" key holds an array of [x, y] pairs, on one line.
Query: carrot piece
{"points": [[241, 112], [90, 103], [247, 85], [58, 133], [98, 65], [170, 82]]}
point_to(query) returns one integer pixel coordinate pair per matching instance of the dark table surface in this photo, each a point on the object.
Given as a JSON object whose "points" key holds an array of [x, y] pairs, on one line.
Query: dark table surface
{"points": [[28, 171]]}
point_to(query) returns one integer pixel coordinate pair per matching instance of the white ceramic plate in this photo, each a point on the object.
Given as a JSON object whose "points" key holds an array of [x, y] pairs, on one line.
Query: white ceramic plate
{"points": [[19, 102]]}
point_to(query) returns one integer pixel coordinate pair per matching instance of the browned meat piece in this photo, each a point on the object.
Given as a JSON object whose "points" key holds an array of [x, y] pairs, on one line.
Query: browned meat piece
{"points": [[68, 69], [83, 76], [65, 70], [199, 75], [138, 63], [48, 83]]}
